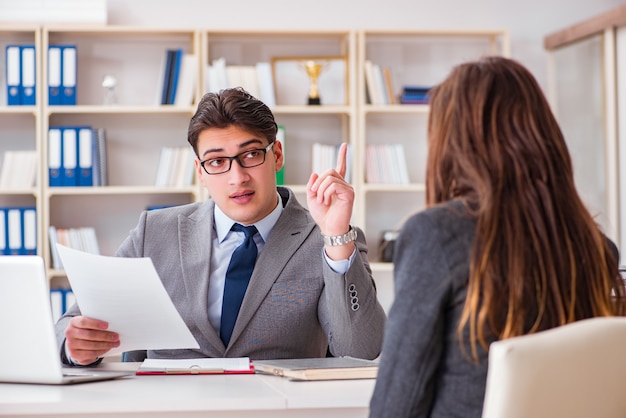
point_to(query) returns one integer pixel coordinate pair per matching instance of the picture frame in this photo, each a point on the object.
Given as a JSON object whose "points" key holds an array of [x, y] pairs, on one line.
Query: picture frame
{"points": [[292, 83]]}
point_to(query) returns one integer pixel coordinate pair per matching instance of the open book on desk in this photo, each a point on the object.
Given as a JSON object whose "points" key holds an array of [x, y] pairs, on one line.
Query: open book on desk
{"points": [[236, 365], [326, 368]]}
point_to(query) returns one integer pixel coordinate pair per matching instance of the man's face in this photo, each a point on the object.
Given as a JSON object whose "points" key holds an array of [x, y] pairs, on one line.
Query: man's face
{"points": [[246, 195]]}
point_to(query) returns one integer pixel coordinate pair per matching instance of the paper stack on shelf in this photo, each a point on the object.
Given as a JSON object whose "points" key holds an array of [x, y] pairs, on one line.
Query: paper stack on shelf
{"points": [[386, 164], [379, 84], [187, 77], [325, 158], [176, 167], [19, 169], [83, 239], [256, 79]]}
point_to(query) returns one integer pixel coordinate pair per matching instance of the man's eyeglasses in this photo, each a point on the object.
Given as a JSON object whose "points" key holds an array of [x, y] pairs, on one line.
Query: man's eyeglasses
{"points": [[247, 159]]}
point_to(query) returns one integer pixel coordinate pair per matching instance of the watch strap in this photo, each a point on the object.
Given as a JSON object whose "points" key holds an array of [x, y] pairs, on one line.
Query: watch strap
{"points": [[336, 240]]}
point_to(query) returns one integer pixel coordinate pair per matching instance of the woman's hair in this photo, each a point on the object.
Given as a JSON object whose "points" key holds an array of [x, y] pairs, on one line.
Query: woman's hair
{"points": [[232, 107], [538, 260]]}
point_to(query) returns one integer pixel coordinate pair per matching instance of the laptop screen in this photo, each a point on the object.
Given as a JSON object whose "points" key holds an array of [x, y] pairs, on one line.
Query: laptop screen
{"points": [[29, 351]]}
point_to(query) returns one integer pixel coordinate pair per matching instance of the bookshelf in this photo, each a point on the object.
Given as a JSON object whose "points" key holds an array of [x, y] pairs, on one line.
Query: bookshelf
{"points": [[137, 126], [21, 125], [412, 58]]}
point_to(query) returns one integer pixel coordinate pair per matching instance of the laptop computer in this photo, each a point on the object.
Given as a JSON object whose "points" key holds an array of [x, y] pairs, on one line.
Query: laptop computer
{"points": [[29, 352]]}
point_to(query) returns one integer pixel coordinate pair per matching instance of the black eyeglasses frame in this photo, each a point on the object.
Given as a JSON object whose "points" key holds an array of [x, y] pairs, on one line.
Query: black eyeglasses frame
{"points": [[237, 158]]}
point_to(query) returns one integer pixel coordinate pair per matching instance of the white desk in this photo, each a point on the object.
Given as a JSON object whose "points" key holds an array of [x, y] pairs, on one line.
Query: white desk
{"points": [[190, 396]]}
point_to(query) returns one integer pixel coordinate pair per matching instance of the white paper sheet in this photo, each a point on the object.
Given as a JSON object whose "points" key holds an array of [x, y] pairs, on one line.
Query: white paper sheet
{"points": [[128, 294]]}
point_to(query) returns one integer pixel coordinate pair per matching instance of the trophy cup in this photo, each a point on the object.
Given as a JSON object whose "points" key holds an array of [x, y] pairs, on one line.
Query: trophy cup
{"points": [[109, 84], [313, 69]]}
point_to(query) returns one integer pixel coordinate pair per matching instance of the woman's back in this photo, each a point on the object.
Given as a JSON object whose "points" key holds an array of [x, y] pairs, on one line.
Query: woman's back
{"points": [[506, 248], [423, 370]]}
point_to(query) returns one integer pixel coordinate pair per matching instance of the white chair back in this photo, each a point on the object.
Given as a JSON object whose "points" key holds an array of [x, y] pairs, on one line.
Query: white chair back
{"points": [[573, 371]]}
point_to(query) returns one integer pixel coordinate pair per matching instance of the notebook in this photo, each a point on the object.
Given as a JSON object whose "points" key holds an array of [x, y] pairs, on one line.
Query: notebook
{"points": [[29, 351], [325, 368]]}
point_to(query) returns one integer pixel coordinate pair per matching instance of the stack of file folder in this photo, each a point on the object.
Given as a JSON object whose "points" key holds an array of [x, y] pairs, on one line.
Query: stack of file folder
{"points": [[62, 69], [76, 156], [21, 68]]}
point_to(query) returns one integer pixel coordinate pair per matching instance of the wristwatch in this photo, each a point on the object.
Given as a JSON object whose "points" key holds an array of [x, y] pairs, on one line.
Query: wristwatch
{"points": [[336, 240]]}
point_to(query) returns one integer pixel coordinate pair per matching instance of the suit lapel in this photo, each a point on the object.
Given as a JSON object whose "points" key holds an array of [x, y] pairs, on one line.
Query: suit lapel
{"points": [[195, 237]]}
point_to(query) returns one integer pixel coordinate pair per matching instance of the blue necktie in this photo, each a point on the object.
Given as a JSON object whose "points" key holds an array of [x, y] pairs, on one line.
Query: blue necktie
{"points": [[237, 278]]}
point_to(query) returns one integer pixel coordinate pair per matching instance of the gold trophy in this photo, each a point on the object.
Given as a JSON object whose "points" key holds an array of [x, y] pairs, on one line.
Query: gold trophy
{"points": [[313, 69]]}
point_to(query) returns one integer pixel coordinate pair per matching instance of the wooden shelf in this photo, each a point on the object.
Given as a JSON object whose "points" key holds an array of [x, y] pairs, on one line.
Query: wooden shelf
{"points": [[138, 128]]}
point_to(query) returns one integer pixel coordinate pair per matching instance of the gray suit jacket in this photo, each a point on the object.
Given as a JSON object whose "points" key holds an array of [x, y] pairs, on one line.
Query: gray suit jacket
{"points": [[295, 305], [423, 371]]}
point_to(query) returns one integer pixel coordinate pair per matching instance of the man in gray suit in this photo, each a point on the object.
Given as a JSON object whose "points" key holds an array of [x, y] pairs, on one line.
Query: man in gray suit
{"points": [[311, 290]]}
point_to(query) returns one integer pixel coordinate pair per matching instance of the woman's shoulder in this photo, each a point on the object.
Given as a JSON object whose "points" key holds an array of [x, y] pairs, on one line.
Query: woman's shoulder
{"points": [[449, 224], [450, 213]]}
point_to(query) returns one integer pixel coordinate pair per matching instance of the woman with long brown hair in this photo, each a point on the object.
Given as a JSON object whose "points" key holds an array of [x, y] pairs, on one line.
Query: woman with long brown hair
{"points": [[506, 246]]}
